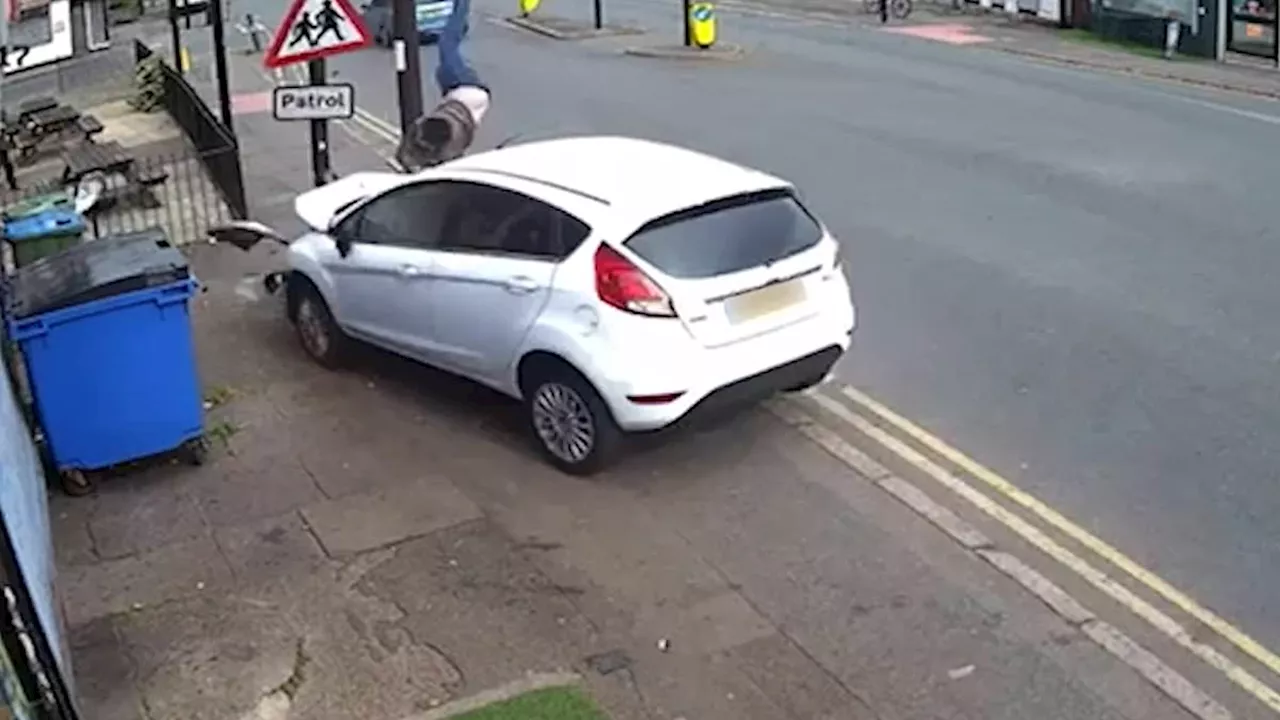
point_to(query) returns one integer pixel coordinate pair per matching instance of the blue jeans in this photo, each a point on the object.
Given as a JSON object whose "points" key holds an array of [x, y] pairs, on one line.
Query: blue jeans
{"points": [[452, 69]]}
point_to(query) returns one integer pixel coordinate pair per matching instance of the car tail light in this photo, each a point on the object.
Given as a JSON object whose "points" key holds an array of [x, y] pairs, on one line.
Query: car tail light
{"points": [[837, 265], [623, 285]]}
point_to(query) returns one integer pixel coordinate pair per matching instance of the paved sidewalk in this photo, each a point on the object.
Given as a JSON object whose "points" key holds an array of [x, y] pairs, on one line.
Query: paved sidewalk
{"points": [[1035, 40], [375, 543], [1040, 40]]}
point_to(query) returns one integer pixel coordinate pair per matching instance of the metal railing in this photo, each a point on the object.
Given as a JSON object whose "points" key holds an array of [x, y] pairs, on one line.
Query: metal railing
{"points": [[215, 143], [175, 192]]}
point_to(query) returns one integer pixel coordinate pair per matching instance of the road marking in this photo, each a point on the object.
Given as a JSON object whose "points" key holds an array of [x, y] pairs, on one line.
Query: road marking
{"points": [[1252, 115], [1125, 649], [1121, 594], [1179, 599]]}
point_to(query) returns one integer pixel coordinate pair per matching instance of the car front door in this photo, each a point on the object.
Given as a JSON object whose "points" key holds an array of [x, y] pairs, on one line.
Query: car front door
{"points": [[497, 257], [383, 282]]}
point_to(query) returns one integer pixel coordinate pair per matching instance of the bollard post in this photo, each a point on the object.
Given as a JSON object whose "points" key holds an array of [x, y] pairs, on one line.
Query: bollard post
{"points": [[599, 14], [702, 24]]}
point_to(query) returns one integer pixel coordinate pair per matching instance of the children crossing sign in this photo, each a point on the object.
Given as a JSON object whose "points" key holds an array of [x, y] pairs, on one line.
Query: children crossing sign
{"points": [[313, 29]]}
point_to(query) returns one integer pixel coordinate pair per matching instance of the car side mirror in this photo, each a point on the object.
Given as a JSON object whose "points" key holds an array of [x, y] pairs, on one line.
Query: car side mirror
{"points": [[344, 244], [341, 235]]}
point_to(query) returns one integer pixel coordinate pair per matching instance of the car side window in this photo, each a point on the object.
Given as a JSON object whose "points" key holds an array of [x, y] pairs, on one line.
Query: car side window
{"points": [[491, 220], [409, 216]]}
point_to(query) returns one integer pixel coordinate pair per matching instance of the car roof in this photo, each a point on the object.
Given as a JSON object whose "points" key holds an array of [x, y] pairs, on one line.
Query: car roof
{"points": [[640, 178]]}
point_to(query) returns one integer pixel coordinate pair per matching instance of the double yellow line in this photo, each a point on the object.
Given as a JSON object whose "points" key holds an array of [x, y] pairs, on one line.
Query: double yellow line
{"points": [[886, 428]]}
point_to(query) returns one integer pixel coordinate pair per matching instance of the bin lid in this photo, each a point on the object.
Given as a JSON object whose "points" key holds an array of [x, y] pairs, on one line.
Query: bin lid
{"points": [[98, 269], [46, 223]]}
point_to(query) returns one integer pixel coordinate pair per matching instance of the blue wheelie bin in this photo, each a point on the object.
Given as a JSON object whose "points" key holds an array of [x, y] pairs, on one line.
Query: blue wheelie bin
{"points": [[104, 332]]}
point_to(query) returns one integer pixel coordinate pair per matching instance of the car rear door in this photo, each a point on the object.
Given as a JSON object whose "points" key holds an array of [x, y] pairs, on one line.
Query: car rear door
{"points": [[382, 286], [737, 267], [498, 255]]}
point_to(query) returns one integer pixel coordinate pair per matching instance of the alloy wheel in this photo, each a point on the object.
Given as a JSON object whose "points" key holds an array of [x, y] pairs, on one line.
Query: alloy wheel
{"points": [[312, 328], [563, 422]]}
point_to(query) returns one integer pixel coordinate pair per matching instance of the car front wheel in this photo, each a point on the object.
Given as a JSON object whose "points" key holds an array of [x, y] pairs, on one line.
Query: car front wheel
{"points": [[569, 421], [319, 334]]}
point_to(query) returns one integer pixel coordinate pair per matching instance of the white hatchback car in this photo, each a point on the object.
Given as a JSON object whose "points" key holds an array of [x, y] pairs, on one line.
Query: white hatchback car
{"points": [[612, 284]]}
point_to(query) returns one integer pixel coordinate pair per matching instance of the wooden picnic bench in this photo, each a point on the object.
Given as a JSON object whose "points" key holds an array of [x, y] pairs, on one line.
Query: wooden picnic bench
{"points": [[35, 128], [109, 160], [34, 105]]}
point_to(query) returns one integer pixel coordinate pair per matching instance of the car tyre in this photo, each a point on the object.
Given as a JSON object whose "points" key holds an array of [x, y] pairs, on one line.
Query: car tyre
{"points": [[569, 422], [318, 332]]}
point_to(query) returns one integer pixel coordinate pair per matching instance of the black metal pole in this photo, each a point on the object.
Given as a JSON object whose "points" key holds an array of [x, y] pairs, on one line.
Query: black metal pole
{"points": [[404, 47], [1275, 37], [688, 32], [220, 62], [176, 36], [599, 14], [319, 132], [884, 11]]}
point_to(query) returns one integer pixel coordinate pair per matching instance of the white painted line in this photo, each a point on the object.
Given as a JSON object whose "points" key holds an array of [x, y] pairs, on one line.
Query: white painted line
{"points": [[1093, 543], [1241, 112], [1039, 585], [1169, 681], [947, 521], [843, 451], [1153, 669]]}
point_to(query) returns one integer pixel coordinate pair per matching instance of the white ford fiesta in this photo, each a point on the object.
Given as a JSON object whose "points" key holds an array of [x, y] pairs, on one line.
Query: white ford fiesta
{"points": [[613, 285]]}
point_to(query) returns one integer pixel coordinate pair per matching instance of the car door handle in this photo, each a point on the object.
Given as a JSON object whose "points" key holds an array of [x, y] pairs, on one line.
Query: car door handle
{"points": [[521, 284]]}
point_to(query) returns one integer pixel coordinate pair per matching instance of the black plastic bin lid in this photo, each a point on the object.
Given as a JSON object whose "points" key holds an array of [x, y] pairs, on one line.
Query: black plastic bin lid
{"points": [[94, 270]]}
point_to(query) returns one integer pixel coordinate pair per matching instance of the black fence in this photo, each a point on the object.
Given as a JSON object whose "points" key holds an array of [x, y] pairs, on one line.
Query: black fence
{"points": [[174, 191], [213, 141]]}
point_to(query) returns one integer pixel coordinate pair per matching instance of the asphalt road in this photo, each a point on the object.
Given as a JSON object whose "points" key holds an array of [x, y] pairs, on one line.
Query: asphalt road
{"points": [[1069, 276]]}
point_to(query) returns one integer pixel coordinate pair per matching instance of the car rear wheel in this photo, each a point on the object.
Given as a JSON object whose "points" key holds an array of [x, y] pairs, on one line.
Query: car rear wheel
{"points": [[569, 421], [319, 334]]}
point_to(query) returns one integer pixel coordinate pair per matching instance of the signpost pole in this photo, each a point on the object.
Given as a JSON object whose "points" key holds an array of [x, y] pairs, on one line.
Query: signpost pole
{"points": [[220, 60], [599, 14], [176, 36], [688, 31], [319, 132], [408, 64]]}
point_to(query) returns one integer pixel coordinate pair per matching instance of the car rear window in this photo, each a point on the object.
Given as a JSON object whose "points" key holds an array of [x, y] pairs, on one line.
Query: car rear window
{"points": [[728, 235]]}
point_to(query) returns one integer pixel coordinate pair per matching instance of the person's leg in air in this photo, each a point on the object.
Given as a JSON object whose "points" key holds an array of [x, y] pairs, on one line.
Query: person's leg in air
{"points": [[446, 132]]}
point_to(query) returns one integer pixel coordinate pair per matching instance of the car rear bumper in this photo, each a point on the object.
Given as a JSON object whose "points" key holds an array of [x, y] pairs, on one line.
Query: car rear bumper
{"points": [[721, 379], [764, 385]]}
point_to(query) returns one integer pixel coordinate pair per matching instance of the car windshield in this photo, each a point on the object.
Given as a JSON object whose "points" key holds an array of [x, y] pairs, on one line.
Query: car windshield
{"points": [[727, 235]]}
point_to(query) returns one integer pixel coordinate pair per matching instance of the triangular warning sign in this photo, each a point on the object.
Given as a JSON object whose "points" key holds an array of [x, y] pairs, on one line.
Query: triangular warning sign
{"points": [[313, 29]]}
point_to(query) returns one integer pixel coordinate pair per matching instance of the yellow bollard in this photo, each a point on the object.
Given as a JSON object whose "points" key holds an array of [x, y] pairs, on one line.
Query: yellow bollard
{"points": [[528, 6], [184, 59], [702, 24]]}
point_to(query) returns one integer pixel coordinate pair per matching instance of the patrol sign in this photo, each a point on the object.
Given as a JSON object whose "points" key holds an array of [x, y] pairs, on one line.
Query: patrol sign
{"points": [[313, 102]]}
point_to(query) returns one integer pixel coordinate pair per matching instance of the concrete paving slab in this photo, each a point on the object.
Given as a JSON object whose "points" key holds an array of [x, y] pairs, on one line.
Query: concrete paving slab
{"points": [[276, 548], [182, 569], [103, 674], [367, 521], [209, 657]]}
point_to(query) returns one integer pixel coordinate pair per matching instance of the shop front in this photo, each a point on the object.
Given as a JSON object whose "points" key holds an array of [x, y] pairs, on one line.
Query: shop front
{"points": [[41, 32], [1252, 27]]}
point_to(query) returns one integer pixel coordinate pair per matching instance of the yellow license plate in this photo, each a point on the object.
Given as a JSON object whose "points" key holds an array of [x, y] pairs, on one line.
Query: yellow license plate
{"points": [[764, 301]]}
